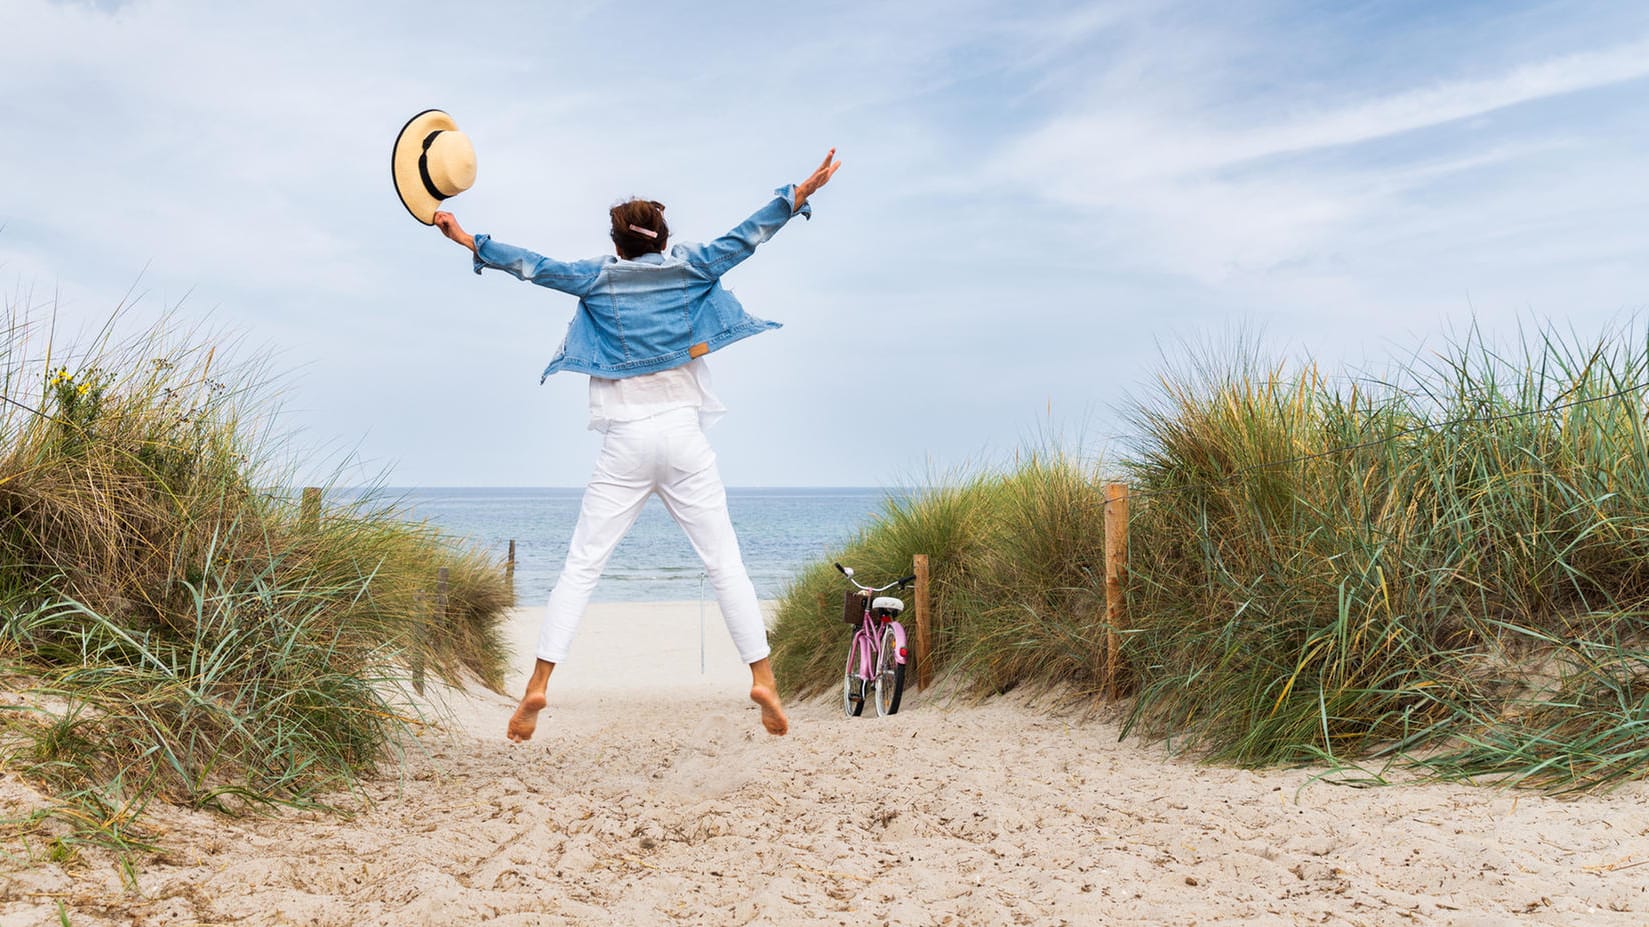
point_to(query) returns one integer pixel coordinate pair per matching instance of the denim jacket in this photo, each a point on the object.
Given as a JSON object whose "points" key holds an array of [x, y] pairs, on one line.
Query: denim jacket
{"points": [[652, 313]]}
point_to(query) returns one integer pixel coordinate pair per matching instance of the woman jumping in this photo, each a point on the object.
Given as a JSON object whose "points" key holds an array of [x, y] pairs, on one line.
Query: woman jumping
{"points": [[645, 320]]}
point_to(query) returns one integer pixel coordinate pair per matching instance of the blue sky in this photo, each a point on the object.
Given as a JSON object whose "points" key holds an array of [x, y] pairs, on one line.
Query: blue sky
{"points": [[1038, 199]]}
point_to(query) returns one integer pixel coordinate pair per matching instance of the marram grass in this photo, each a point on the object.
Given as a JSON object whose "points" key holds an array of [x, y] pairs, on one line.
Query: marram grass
{"points": [[1447, 567], [169, 626]]}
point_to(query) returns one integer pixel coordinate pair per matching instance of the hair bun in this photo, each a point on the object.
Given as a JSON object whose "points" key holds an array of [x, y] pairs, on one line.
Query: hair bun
{"points": [[639, 227]]}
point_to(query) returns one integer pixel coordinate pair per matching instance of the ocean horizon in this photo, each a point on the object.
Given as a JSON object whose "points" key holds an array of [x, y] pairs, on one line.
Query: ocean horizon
{"points": [[781, 530]]}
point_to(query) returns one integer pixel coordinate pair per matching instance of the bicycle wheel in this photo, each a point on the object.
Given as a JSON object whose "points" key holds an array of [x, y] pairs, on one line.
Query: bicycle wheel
{"points": [[853, 687], [890, 676]]}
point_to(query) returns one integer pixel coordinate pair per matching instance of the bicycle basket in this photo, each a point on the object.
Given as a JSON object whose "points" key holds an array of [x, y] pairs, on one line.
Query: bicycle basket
{"points": [[853, 607]]}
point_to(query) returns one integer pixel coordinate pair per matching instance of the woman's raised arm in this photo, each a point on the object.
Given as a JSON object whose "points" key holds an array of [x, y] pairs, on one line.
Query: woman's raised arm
{"points": [[718, 257], [575, 277]]}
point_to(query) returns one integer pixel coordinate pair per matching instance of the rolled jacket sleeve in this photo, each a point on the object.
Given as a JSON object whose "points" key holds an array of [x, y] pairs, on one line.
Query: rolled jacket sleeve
{"points": [[788, 191]]}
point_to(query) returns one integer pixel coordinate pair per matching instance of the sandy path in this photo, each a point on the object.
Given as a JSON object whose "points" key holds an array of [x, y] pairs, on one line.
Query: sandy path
{"points": [[658, 800]]}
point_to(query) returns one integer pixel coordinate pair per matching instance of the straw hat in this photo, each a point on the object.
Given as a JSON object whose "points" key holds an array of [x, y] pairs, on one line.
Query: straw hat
{"points": [[431, 161]]}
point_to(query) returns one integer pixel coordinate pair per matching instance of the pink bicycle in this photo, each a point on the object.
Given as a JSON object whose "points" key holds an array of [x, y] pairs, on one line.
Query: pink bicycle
{"points": [[876, 656]]}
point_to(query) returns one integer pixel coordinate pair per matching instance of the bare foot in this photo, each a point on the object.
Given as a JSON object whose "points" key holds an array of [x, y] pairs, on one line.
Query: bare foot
{"points": [[773, 718], [525, 719]]}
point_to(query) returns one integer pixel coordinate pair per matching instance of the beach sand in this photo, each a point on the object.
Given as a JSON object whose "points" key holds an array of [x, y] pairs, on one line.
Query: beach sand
{"points": [[651, 796]]}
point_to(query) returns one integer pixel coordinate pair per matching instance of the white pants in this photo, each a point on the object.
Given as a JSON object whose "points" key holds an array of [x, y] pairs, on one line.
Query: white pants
{"points": [[666, 454]]}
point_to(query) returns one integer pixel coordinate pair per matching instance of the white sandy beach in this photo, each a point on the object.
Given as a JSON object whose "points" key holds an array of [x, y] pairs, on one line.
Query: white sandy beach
{"points": [[651, 796]]}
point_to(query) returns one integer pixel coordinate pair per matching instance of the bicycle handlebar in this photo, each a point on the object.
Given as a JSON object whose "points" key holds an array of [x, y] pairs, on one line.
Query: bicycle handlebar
{"points": [[848, 572]]}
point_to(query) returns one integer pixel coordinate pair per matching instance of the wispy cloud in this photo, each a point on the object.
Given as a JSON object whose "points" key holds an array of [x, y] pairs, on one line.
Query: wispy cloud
{"points": [[1431, 106], [1190, 188]]}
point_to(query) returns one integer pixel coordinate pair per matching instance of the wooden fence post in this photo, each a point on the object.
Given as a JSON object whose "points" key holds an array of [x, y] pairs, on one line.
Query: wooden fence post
{"points": [[509, 568], [309, 511], [924, 667], [1116, 581]]}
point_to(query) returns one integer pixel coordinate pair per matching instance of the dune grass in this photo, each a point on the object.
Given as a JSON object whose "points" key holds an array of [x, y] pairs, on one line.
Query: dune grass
{"points": [[170, 627], [1448, 565]]}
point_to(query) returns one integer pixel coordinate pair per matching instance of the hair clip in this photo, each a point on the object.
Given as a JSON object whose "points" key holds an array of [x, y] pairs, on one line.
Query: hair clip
{"points": [[641, 231]]}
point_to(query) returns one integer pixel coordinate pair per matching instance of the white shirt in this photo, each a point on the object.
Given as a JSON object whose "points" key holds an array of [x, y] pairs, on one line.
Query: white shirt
{"points": [[635, 398]]}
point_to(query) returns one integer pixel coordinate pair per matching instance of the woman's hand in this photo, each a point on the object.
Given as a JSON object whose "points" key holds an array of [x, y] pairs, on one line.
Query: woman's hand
{"points": [[820, 176], [448, 224]]}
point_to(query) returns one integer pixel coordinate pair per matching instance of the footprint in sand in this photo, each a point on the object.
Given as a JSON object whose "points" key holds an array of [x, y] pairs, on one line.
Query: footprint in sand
{"points": [[718, 757]]}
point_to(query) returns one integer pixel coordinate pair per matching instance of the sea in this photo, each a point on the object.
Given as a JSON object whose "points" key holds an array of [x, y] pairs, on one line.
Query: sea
{"points": [[781, 532]]}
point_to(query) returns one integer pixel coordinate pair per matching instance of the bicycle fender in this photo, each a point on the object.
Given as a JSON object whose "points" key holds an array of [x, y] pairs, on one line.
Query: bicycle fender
{"points": [[899, 641]]}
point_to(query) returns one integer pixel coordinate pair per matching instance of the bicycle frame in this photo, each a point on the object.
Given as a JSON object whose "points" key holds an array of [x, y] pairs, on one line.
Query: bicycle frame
{"points": [[870, 633], [879, 630]]}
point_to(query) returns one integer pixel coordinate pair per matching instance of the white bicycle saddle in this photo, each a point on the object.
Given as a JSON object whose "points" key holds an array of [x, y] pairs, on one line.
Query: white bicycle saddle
{"points": [[887, 603]]}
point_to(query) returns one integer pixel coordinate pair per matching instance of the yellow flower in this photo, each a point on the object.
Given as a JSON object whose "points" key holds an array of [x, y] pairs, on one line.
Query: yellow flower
{"points": [[83, 388]]}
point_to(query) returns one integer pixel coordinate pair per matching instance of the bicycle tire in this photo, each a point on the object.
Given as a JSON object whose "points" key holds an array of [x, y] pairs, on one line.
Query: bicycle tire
{"points": [[890, 676], [853, 688]]}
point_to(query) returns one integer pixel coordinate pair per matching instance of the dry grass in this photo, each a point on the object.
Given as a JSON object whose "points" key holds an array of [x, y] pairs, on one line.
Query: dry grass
{"points": [[194, 638]]}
